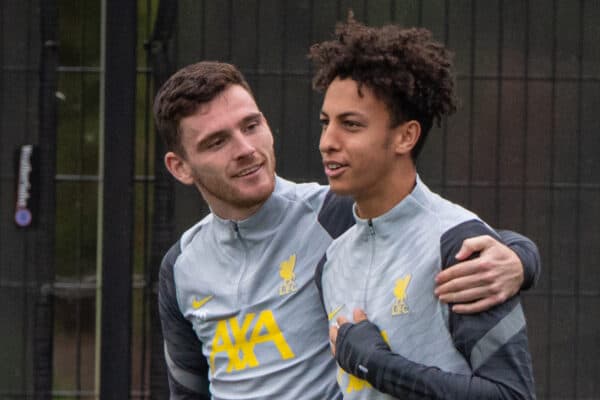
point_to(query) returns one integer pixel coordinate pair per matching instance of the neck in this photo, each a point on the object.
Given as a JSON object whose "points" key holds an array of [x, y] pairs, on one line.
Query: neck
{"points": [[236, 214], [399, 185], [232, 211]]}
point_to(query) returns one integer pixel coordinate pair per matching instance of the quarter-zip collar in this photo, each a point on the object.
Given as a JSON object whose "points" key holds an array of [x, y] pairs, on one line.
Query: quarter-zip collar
{"points": [[259, 225], [385, 225]]}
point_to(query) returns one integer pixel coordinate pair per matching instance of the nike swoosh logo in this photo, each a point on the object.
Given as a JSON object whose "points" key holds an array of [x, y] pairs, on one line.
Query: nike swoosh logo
{"points": [[333, 313], [196, 304]]}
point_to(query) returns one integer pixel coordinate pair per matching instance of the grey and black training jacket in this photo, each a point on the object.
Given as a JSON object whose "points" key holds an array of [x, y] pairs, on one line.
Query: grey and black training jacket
{"points": [[241, 316], [386, 267]]}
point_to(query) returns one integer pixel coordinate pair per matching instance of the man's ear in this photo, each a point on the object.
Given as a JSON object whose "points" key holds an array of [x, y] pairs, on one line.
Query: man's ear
{"points": [[407, 136], [179, 168]]}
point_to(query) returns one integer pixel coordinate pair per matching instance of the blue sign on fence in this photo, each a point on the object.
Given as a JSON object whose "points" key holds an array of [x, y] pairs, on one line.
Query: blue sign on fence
{"points": [[25, 170]]}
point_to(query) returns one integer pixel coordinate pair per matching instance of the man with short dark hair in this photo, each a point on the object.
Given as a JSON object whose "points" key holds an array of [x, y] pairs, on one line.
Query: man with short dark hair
{"points": [[384, 89], [237, 299]]}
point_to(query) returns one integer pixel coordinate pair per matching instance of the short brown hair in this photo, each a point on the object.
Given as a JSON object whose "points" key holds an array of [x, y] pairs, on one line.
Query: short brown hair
{"points": [[405, 68], [187, 89]]}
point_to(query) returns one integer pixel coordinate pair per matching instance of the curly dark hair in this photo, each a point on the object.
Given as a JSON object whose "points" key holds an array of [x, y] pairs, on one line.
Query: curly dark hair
{"points": [[405, 68], [185, 91]]}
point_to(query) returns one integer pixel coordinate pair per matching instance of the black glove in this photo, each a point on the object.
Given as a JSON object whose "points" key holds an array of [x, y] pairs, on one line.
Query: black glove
{"points": [[356, 344]]}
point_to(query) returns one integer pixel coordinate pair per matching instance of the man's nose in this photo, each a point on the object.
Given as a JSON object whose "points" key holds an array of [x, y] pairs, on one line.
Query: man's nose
{"points": [[244, 147], [328, 141]]}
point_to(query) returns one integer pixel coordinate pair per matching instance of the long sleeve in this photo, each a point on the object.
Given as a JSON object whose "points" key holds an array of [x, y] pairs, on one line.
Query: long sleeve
{"points": [[528, 253], [187, 366], [361, 351], [494, 343]]}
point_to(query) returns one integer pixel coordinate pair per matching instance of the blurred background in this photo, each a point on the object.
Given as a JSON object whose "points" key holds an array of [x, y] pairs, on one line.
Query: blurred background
{"points": [[82, 234]]}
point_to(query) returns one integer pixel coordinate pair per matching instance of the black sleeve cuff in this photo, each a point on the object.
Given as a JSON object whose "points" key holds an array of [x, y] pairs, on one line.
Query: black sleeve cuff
{"points": [[356, 346]]}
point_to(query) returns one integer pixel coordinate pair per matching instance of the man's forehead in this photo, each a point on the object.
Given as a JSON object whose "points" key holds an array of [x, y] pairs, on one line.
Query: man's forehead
{"points": [[229, 108], [230, 99], [345, 96]]}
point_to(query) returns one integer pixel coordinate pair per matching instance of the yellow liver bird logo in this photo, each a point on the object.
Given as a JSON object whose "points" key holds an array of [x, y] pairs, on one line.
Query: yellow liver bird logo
{"points": [[400, 289], [400, 307], [286, 271], [286, 268]]}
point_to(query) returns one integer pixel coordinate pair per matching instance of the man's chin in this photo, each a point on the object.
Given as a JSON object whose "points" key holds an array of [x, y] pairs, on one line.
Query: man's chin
{"points": [[256, 194], [339, 189]]}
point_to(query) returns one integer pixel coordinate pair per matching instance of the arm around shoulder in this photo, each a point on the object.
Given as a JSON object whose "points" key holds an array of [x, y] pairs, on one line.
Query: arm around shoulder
{"points": [[528, 253]]}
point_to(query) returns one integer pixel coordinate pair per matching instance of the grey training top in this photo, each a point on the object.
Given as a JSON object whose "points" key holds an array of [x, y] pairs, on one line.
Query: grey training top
{"points": [[241, 316], [386, 266], [245, 290]]}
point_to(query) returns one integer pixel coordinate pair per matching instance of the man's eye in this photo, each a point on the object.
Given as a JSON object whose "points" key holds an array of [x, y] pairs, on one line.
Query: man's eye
{"points": [[324, 122], [352, 124], [215, 143], [251, 126]]}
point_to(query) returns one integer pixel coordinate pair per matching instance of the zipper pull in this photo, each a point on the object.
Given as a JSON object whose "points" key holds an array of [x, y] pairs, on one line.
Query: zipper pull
{"points": [[371, 229], [236, 229]]}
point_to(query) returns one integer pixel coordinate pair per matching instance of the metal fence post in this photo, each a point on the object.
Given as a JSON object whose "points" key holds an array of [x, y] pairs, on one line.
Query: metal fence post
{"points": [[117, 242]]}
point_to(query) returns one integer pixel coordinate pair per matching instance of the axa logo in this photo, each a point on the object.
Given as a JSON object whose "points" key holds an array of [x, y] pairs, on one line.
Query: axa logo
{"points": [[239, 338], [286, 272], [399, 306]]}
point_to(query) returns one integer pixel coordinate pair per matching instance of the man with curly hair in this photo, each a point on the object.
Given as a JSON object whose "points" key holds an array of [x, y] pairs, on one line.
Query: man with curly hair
{"points": [[384, 89]]}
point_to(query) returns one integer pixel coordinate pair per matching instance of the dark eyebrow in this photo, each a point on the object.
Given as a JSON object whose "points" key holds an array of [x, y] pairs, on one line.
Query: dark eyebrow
{"points": [[350, 114], [344, 115], [252, 117]]}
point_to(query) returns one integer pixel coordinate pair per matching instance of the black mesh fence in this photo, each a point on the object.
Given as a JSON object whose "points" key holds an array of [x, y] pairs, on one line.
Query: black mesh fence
{"points": [[521, 152], [26, 199]]}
